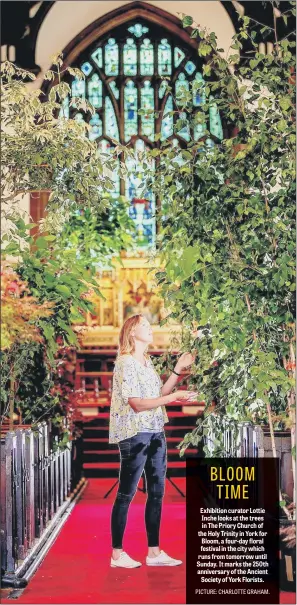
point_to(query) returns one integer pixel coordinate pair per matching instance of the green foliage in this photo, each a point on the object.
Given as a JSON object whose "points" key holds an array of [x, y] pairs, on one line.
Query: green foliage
{"points": [[54, 274], [33, 381], [229, 270], [61, 267], [84, 230], [58, 157], [40, 389], [20, 311], [99, 237]]}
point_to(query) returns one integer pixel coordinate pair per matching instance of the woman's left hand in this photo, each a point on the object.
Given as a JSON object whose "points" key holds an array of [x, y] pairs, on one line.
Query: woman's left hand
{"points": [[185, 360]]}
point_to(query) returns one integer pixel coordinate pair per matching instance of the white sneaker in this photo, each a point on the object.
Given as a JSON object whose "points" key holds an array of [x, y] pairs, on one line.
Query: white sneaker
{"points": [[162, 559], [124, 561]]}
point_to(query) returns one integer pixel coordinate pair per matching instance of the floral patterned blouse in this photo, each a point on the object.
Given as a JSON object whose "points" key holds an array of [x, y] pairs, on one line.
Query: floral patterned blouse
{"points": [[132, 379]]}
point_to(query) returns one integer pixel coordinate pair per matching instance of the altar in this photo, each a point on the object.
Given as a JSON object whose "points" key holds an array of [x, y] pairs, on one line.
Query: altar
{"points": [[128, 288]]}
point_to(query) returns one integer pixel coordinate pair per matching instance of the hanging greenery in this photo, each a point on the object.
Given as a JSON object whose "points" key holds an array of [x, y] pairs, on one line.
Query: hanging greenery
{"points": [[228, 273]]}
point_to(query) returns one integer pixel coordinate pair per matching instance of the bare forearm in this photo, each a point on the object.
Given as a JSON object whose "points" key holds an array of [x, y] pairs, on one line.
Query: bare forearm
{"points": [[141, 405], [169, 385], [171, 382]]}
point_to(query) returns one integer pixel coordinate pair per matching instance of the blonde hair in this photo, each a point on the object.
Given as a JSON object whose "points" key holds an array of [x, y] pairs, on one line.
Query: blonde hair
{"points": [[126, 341]]}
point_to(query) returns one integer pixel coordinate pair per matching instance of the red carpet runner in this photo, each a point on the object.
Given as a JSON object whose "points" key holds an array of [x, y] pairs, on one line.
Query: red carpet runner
{"points": [[76, 569]]}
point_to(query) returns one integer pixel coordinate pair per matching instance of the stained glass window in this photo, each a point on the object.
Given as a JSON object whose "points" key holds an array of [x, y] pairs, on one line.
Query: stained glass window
{"points": [[111, 58], [104, 146], [146, 58], [185, 130], [167, 121], [215, 124], [95, 91], [199, 130], [179, 55], [147, 102], [142, 209], [96, 127], [78, 88], [164, 58], [181, 85], [129, 70], [87, 68], [130, 110], [190, 67], [130, 58], [178, 158], [162, 89], [209, 143], [198, 90], [111, 124], [97, 57], [138, 30], [79, 118]]}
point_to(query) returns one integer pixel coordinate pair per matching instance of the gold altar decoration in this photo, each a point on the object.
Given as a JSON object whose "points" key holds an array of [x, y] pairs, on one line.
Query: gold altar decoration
{"points": [[128, 288]]}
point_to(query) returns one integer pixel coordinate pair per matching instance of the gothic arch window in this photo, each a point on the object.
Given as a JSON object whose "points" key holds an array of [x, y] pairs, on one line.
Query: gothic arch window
{"points": [[124, 72]]}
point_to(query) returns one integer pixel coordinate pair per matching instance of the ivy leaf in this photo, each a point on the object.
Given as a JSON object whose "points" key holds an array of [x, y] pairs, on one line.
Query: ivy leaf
{"points": [[49, 75], [187, 21], [206, 69], [281, 125], [195, 33], [204, 49], [186, 154], [74, 71], [285, 103]]}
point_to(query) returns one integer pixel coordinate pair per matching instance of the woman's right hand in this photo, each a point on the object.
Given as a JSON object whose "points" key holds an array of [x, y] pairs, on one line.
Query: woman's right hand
{"points": [[186, 396]]}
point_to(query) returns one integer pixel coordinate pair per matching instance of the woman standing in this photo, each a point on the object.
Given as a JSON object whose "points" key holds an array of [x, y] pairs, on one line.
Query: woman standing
{"points": [[137, 418]]}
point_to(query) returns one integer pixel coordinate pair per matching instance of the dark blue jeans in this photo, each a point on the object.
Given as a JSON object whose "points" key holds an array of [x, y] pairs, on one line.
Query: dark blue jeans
{"points": [[144, 451]]}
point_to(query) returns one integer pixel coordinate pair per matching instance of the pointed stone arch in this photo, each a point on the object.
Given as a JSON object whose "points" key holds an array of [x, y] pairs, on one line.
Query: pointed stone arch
{"points": [[72, 20], [120, 16]]}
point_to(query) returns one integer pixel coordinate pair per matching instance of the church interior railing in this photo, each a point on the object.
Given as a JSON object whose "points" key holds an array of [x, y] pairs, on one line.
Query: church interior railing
{"points": [[244, 441], [37, 476]]}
